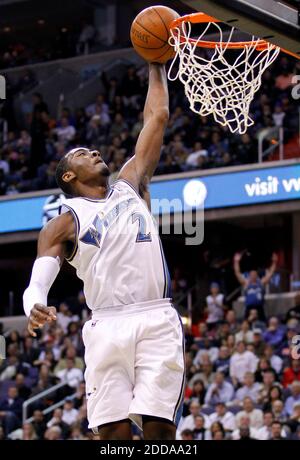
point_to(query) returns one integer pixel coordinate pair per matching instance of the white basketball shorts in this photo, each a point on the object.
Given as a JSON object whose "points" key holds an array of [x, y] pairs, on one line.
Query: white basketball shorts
{"points": [[134, 358]]}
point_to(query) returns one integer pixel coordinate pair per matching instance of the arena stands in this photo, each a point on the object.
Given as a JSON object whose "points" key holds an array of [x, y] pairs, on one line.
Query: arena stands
{"points": [[242, 381], [30, 152]]}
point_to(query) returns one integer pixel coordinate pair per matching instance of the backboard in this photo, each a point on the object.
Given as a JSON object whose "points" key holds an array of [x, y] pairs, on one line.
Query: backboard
{"points": [[276, 21]]}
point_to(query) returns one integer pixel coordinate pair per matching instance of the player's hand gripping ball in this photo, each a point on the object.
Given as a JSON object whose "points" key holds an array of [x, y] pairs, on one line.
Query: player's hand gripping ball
{"points": [[150, 32]]}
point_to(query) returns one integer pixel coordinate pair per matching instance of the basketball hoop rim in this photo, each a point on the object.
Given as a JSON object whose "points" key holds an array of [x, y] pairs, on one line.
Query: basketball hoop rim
{"points": [[202, 18]]}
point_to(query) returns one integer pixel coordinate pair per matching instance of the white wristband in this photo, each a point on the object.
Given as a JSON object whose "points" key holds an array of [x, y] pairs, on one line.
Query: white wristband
{"points": [[44, 271]]}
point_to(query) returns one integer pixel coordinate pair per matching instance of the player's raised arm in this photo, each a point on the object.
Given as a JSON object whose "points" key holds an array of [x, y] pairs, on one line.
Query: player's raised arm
{"points": [[51, 252], [140, 168]]}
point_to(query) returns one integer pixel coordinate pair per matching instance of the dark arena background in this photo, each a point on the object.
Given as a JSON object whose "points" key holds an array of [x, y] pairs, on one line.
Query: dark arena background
{"points": [[72, 77]]}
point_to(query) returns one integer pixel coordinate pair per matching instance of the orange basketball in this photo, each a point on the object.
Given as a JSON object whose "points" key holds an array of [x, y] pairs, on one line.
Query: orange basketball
{"points": [[150, 32]]}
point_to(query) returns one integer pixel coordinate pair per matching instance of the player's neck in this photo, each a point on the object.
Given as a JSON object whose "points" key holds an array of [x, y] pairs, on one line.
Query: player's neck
{"points": [[95, 192]]}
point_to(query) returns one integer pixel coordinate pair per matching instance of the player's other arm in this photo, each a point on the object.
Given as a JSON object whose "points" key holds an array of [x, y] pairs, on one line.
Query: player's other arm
{"points": [[51, 252], [140, 168]]}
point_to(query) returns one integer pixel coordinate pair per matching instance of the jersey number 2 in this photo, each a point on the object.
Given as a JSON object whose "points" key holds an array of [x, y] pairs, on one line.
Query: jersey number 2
{"points": [[141, 237]]}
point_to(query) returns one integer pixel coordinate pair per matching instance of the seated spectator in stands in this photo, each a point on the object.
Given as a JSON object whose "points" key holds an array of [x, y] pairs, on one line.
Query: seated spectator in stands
{"points": [[54, 433], [71, 375], [206, 350], [254, 321], [294, 398], [255, 415], [291, 373], [198, 155], [188, 422], [258, 342], [278, 411], [224, 416], [254, 287], [222, 362], [57, 421], [264, 433], [187, 435], [274, 334], [244, 429], [230, 318], [244, 334], [276, 431], [117, 126], [28, 432], [197, 392], [70, 414], [278, 115], [275, 360], [241, 361], [199, 432], [30, 352], [245, 434], [263, 366], [275, 394], [11, 410], [65, 132], [70, 353], [216, 432], [23, 390], [9, 367], [96, 131], [249, 389], [45, 380], [294, 421], [219, 391], [64, 316], [214, 306], [39, 424], [268, 381], [205, 374]]}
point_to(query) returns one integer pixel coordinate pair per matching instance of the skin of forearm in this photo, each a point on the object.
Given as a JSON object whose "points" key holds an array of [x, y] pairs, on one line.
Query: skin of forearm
{"points": [[157, 96]]}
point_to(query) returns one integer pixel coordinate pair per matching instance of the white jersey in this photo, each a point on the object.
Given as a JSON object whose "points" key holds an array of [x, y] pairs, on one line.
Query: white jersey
{"points": [[118, 253]]}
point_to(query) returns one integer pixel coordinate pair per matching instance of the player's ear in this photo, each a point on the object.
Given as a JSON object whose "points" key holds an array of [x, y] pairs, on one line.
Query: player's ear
{"points": [[68, 176]]}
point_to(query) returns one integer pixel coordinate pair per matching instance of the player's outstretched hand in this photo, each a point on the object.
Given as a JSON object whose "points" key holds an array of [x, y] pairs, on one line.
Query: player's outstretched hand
{"points": [[39, 316]]}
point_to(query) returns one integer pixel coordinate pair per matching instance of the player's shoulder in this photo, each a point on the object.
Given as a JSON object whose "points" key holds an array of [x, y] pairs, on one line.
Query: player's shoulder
{"points": [[61, 224]]}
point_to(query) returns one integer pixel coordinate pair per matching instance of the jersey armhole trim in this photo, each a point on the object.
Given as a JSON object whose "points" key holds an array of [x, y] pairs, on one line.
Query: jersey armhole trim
{"points": [[130, 185], [136, 192], [77, 229]]}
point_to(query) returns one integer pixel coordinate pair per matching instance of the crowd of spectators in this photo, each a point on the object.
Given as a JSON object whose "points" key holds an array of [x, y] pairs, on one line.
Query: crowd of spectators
{"points": [[30, 153], [242, 377]]}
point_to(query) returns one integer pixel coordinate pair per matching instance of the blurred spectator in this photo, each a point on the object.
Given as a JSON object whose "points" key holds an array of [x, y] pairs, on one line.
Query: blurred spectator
{"points": [[11, 410], [249, 389], [215, 307], [255, 415], [276, 431], [293, 399], [219, 391], [274, 335], [291, 373], [242, 361], [224, 416], [71, 375], [254, 286]]}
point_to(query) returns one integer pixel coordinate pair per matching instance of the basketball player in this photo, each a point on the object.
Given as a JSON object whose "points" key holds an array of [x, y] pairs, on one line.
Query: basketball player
{"points": [[134, 341]]}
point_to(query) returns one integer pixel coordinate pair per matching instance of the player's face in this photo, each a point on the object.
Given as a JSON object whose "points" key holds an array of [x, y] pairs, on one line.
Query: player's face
{"points": [[87, 164]]}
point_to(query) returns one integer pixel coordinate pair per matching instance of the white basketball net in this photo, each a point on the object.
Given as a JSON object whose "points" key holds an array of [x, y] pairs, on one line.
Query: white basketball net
{"points": [[214, 85]]}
